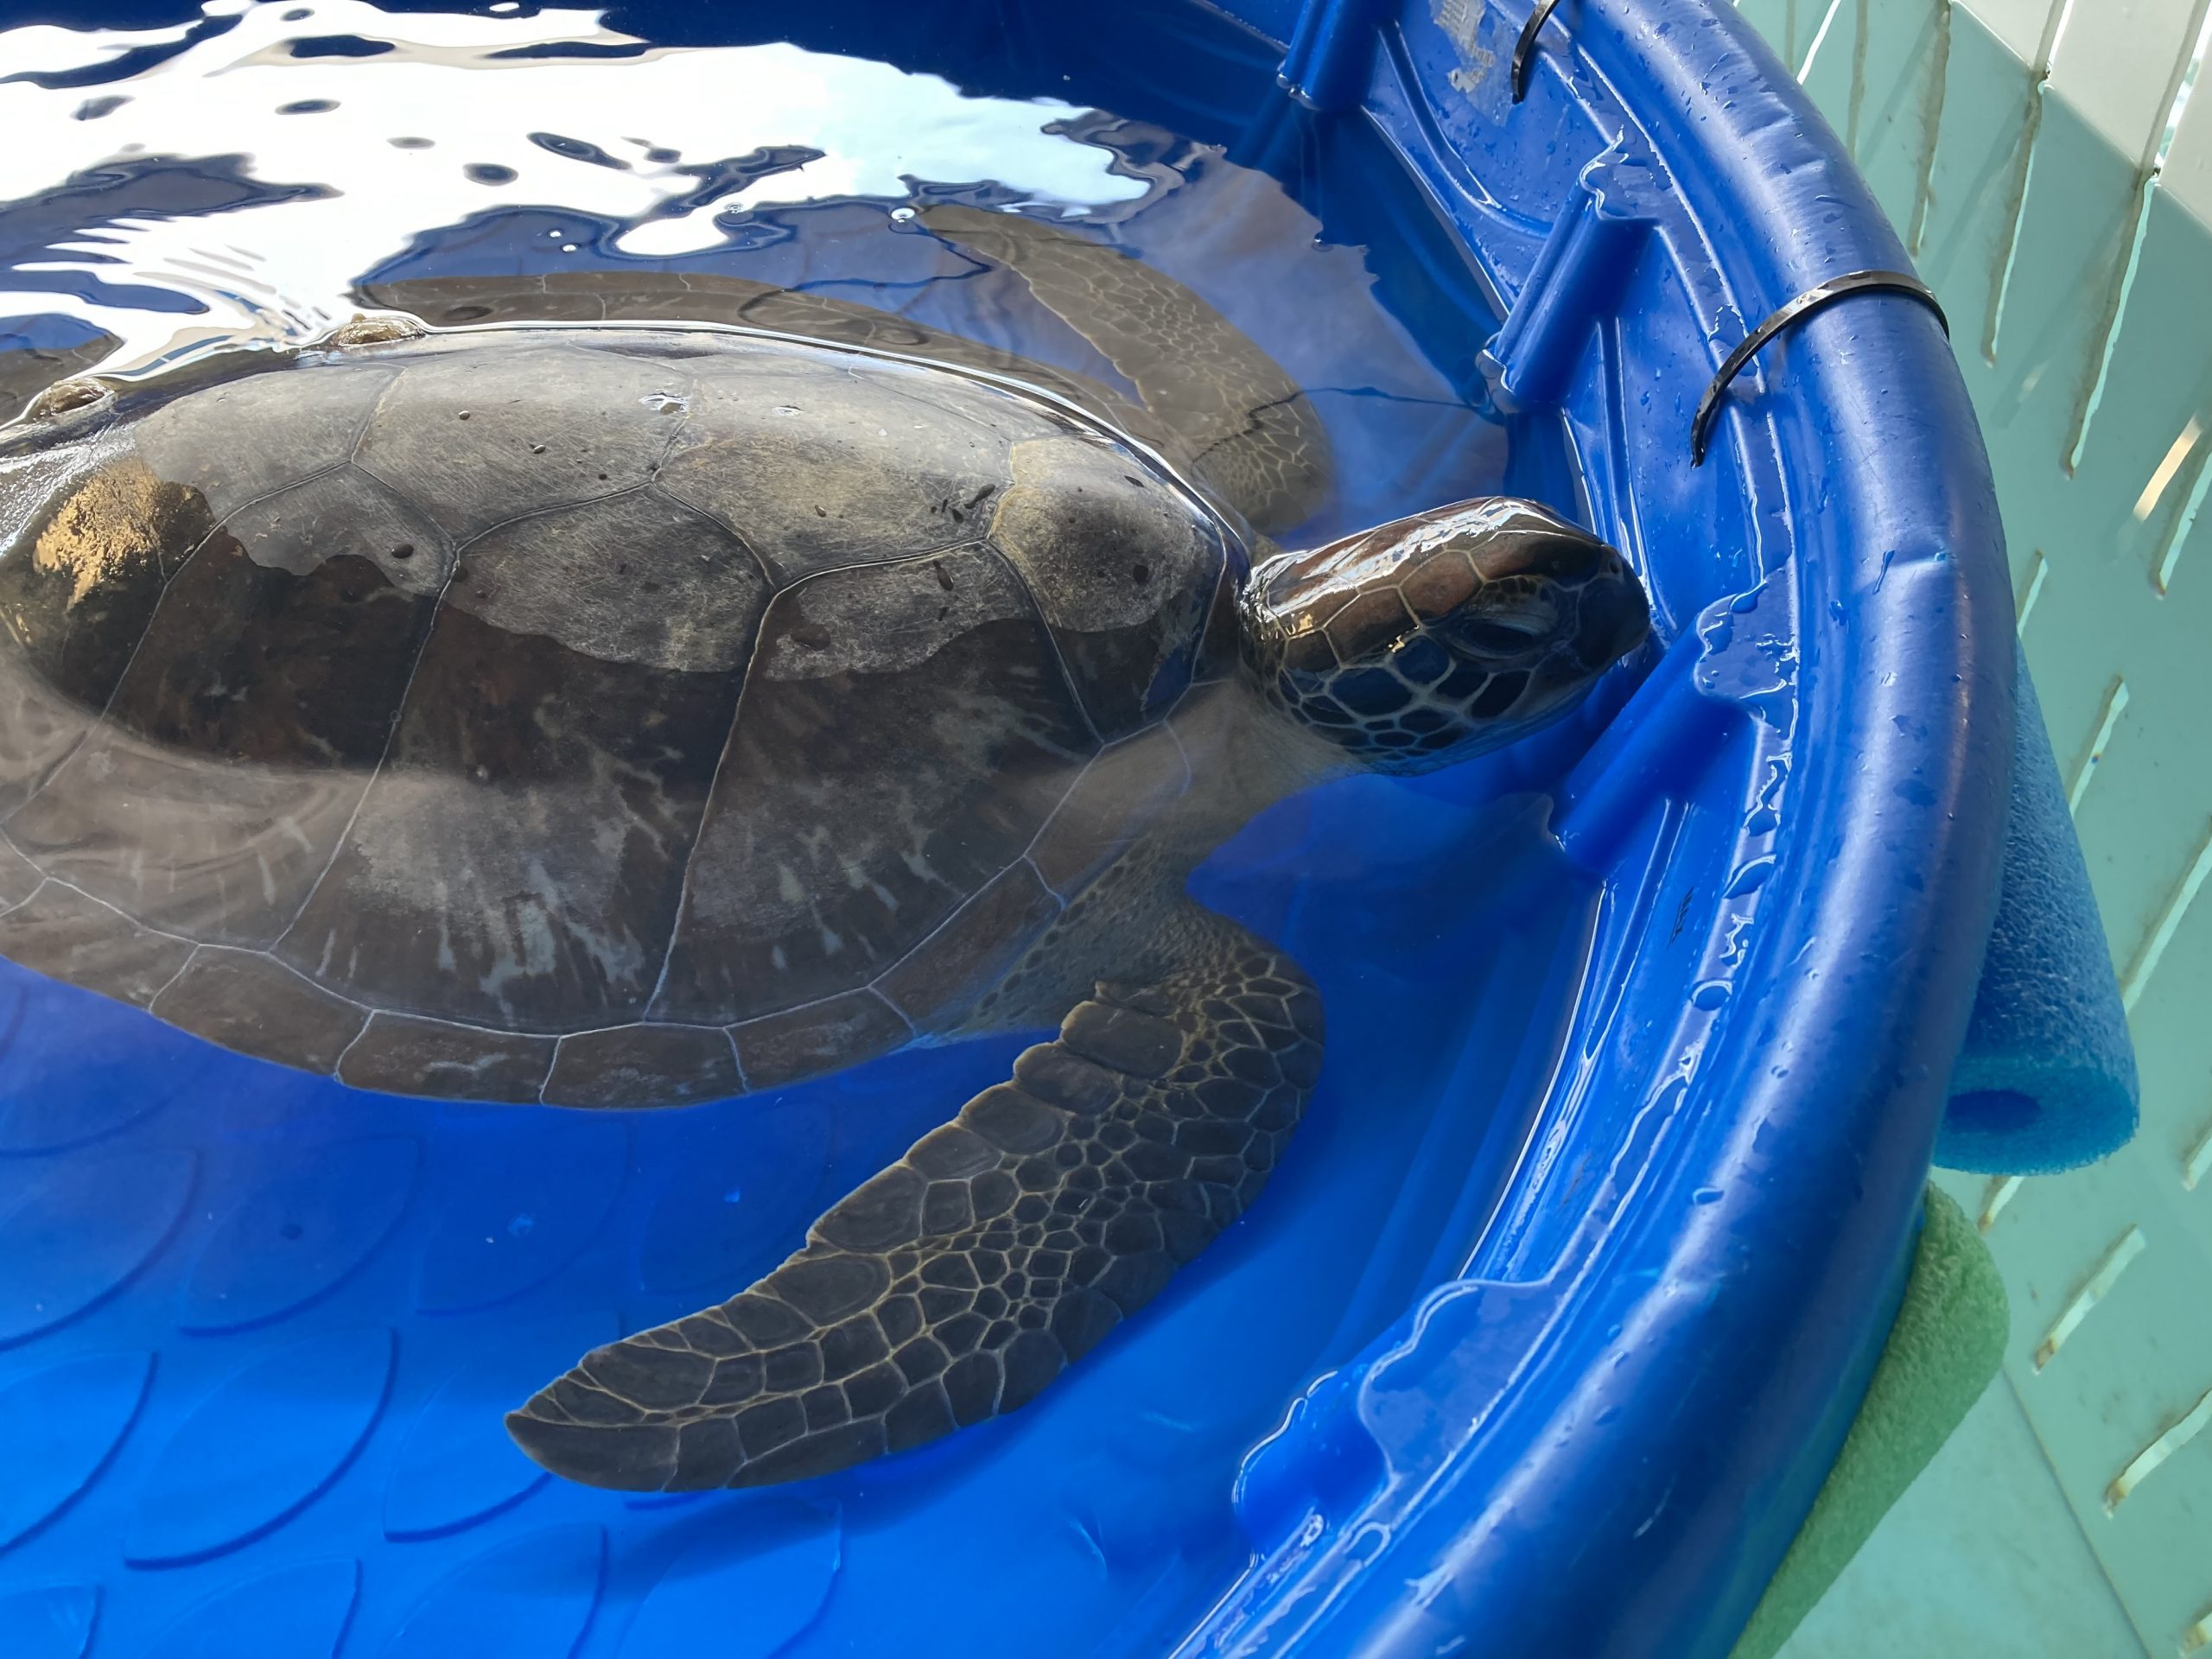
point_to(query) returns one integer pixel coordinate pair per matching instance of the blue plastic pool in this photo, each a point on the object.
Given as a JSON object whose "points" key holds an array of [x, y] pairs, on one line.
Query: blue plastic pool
{"points": [[1552, 1318]]}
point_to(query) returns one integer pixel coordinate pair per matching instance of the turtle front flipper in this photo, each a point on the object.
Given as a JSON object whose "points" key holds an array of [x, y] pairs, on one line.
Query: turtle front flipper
{"points": [[1247, 425], [958, 1283]]}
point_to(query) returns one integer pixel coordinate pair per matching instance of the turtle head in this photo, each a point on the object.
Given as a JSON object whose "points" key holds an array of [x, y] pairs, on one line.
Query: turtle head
{"points": [[1436, 637]]}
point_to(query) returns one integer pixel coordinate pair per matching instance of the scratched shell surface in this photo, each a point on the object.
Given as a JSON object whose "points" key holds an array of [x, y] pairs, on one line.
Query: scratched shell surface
{"points": [[571, 714]]}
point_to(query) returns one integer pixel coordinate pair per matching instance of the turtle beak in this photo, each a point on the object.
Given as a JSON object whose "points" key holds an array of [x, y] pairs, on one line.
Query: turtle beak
{"points": [[1612, 616], [1592, 609]]}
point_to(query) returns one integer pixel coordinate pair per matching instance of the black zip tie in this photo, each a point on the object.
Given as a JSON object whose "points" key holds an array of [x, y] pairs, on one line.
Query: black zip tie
{"points": [[1524, 49], [1836, 288]]}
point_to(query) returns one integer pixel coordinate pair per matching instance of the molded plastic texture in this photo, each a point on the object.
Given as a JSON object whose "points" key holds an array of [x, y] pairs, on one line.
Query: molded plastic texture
{"points": [[53, 1621], [1326, 66], [295, 1612], [282, 1438], [1591, 1444], [530, 1597]]}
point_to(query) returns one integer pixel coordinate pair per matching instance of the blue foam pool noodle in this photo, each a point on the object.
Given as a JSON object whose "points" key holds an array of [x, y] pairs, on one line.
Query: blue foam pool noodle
{"points": [[2046, 1080]]}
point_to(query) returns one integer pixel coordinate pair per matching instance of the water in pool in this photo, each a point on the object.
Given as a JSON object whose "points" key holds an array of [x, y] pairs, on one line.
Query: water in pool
{"points": [[258, 1326]]}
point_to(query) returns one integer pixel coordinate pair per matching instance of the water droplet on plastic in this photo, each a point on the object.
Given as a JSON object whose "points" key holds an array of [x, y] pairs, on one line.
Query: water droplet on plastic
{"points": [[1751, 877], [1710, 995]]}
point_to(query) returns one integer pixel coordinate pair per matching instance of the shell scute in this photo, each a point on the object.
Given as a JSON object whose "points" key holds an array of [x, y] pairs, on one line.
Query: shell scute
{"points": [[878, 777], [252, 1003], [481, 431], [663, 1064], [400, 1053], [236, 439], [974, 950], [517, 860], [67, 936], [584, 716], [77, 589], [829, 467], [1123, 564], [340, 514], [288, 681], [779, 1048], [633, 578]]}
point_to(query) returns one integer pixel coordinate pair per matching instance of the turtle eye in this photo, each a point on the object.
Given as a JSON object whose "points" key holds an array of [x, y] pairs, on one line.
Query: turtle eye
{"points": [[1490, 639], [1507, 624]]}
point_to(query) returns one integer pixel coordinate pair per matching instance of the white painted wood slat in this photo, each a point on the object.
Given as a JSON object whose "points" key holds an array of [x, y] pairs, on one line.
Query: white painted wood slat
{"points": [[2188, 174], [2024, 25], [2120, 61]]}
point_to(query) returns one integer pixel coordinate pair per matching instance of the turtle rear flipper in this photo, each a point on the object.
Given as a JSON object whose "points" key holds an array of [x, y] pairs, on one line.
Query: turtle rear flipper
{"points": [[28, 372], [1251, 430], [954, 1285]]}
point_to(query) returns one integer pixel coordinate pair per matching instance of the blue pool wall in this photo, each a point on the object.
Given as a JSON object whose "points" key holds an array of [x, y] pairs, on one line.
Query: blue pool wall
{"points": [[263, 1327], [1602, 1437], [1599, 1432]]}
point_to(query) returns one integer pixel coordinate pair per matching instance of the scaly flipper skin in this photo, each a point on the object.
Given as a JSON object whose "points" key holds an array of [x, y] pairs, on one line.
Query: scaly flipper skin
{"points": [[958, 1283], [26, 372]]}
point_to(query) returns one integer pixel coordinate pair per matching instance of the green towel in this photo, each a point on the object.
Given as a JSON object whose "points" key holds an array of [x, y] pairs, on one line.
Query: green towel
{"points": [[1946, 1344]]}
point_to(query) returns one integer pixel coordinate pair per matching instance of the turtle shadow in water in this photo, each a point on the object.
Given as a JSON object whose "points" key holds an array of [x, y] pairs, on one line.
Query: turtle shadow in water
{"points": [[493, 1218], [61, 1096]]}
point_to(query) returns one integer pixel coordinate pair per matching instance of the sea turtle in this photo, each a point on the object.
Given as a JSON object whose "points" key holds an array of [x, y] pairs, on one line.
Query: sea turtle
{"points": [[633, 713]]}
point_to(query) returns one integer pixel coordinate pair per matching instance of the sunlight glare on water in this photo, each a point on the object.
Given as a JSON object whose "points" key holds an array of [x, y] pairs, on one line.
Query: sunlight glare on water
{"points": [[403, 139]]}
